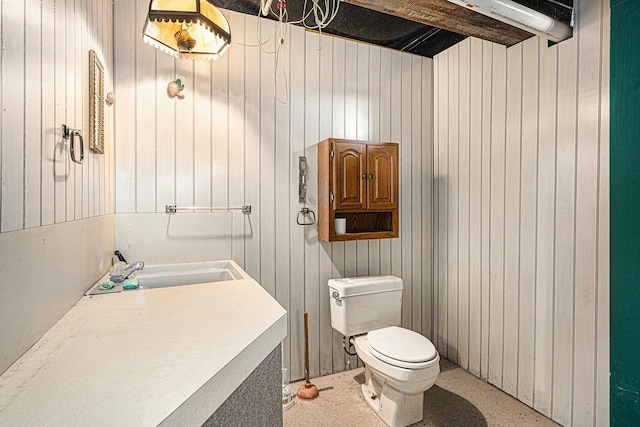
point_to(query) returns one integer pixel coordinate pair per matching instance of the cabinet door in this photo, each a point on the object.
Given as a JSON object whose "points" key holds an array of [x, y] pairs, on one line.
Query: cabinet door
{"points": [[382, 188], [349, 180]]}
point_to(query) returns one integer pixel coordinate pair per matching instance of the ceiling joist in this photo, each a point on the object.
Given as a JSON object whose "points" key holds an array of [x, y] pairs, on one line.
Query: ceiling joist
{"points": [[446, 15]]}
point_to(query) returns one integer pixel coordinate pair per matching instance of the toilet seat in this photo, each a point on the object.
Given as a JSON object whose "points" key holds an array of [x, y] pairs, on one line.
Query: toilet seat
{"points": [[401, 347]]}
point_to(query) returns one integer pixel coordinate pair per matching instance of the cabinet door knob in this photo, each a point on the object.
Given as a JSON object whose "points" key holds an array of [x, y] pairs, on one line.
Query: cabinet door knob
{"points": [[364, 176], [370, 176]]}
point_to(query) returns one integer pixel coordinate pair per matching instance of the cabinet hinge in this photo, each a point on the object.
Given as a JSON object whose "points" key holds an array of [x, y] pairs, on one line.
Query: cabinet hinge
{"points": [[331, 154], [331, 197]]}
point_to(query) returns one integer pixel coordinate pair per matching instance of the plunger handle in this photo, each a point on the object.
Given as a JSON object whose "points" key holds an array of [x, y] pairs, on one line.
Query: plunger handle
{"points": [[306, 346], [307, 390]]}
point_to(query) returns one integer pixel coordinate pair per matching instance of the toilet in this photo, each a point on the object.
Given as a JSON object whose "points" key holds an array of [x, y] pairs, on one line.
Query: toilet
{"points": [[400, 364]]}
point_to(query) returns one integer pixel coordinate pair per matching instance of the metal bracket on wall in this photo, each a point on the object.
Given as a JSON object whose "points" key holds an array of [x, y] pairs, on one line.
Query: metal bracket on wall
{"points": [[302, 179], [171, 209]]}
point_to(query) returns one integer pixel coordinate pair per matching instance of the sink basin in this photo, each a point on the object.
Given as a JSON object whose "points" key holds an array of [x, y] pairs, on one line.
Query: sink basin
{"points": [[183, 274]]}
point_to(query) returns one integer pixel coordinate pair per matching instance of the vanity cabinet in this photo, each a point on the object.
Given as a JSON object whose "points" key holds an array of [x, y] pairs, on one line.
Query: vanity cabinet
{"points": [[357, 181]]}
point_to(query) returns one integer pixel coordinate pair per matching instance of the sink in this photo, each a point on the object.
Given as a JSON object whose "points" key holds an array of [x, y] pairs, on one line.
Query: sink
{"points": [[182, 274]]}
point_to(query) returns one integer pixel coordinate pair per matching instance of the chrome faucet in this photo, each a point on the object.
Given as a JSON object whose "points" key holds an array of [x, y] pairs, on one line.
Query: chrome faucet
{"points": [[120, 271]]}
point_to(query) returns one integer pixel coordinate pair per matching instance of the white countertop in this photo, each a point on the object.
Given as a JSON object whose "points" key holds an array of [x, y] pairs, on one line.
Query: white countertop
{"points": [[166, 356]]}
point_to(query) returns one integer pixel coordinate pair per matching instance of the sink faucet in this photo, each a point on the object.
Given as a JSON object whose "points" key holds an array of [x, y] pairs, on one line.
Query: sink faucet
{"points": [[120, 271]]}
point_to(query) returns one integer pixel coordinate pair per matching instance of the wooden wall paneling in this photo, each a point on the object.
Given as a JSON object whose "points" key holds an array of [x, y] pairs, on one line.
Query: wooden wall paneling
{"points": [[74, 170], [82, 98], [13, 149], [311, 134], [426, 179], [62, 159], [297, 134], [94, 163], [417, 203], [406, 201], [101, 22], [166, 131], [237, 137], [565, 233], [475, 204], [487, 99], [267, 160], [338, 128], [603, 301], [452, 205], [350, 132], [32, 110], [325, 266], [184, 144], [109, 158], [149, 96], [252, 149], [384, 129], [286, 189], [512, 219], [88, 198], [362, 133], [397, 135], [545, 234], [435, 205], [528, 221], [125, 88], [586, 232], [203, 133], [463, 201], [220, 134], [48, 127], [443, 202], [374, 135], [497, 215]]}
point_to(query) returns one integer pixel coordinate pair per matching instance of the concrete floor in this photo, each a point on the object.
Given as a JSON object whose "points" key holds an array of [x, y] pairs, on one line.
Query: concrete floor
{"points": [[457, 399]]}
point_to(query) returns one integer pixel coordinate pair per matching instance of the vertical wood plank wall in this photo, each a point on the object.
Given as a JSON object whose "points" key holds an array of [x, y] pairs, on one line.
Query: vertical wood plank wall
{"points": [[45, 83], [229, 142], [54, 213], [520, 204]]}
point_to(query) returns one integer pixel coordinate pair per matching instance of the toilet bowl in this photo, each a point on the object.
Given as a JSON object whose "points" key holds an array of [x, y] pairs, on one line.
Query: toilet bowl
{"points": [[400, 364], [410, 377]]}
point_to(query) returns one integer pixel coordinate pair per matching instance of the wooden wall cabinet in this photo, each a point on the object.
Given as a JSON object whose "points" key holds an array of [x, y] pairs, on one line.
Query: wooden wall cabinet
{"points": [[358, 181]]}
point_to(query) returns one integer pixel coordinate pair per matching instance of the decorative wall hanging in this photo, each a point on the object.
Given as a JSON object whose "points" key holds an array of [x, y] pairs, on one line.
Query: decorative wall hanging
{"points": [[175, 88], [96, 103]]}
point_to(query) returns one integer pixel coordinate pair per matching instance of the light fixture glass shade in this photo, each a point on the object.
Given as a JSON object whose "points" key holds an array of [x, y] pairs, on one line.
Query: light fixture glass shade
{"points": [[190, 29]]}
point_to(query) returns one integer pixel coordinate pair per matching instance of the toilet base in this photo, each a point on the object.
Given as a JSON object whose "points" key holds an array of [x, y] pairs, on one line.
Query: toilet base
{"points": [[395, 408]]}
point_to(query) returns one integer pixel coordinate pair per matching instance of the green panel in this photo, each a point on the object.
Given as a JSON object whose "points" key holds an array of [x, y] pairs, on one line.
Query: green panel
{"points": [[625, 213]]}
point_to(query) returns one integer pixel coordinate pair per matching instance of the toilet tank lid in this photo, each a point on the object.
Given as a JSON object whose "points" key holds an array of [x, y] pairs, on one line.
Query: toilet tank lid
{"points": [[349, 287]]}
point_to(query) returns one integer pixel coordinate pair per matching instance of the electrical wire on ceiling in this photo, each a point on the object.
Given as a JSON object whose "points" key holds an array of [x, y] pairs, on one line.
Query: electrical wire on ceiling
{"points": [[322, 13]]}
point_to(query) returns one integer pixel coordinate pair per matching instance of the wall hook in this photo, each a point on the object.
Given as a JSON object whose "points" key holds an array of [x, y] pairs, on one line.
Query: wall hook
{"points": [[70, 134]]}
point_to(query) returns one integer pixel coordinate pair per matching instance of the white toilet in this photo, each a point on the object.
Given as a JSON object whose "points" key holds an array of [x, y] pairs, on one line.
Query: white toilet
{"points": [[400, 365]]}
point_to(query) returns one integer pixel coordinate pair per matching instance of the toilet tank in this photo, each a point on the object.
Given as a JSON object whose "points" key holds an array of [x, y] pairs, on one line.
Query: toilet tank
{"points": [[362, 304]]}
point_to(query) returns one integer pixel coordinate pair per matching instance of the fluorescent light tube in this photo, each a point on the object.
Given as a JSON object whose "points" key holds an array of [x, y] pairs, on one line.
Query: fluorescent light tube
{"points": [[520, 16]]}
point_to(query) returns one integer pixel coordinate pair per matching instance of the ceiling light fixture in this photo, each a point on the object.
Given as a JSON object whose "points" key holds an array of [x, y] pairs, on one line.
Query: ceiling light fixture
{"points": [[190, 29], [520, 16]]}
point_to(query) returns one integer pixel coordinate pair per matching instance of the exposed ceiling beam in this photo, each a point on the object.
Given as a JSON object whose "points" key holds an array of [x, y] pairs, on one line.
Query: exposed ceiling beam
{"points": [[446, 15]]}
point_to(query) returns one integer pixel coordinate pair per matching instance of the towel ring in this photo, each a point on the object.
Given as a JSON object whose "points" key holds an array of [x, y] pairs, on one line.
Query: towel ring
{"points": [[70, 134], [304, 212]]}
